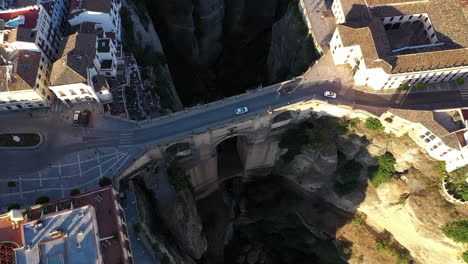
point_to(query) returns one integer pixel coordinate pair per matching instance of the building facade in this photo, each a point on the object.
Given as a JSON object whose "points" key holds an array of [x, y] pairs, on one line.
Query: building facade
{"points": [[389, 43], [85, 228]]}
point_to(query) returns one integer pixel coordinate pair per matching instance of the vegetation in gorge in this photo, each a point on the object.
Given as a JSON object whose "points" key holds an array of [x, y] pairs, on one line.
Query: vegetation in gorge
{"points": [[348, 172], [457, 231], [384, 171], [278, 228]]}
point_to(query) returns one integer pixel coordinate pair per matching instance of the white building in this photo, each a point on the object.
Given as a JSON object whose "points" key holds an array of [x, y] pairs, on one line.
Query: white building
{"points": [[442, 133], [75, 76], [22, 80], [25, 67], [104, 13], [392, 42]]}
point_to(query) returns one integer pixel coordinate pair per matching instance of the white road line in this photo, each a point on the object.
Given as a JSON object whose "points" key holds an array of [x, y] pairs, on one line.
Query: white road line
{"points": [[122, 163], [79, 164], [99, 162], [40, 178], [71, 164], [59, 168], [114, 164], [21, 189], [63, 193]]}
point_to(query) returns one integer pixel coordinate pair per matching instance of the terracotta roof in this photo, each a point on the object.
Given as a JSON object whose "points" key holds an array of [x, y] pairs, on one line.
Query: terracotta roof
{"points": [[21, 34], [99, 83], [446, 16], [30, 16], [78, 52], [21, 74], [7, 232], [426, 118]]}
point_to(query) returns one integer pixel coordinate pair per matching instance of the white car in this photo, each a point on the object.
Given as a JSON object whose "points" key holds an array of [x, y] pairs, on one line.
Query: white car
{"points": [[241, 110], [329, 94]]}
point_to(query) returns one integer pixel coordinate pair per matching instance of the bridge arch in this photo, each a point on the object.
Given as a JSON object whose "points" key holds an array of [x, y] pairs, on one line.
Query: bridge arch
{"points": [[231, 154], [282, 119], [180, 149]]}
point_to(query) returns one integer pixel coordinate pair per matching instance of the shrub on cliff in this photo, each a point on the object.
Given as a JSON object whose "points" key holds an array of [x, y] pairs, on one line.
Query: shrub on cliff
{"points": [[384, 171], [374, 124], [177, 176], [457, 231], [465, 256]]}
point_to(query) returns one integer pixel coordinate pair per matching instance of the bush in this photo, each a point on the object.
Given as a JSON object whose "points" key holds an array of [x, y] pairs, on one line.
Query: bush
{"points": [[165, 260], [460, 80], [441, 168], [74, 192], [457, 231], [421, 85], [359, 220], [13, 206], [405, 86], [385, 246], [178, 177], [42, 200], [374, 124], [465, 256], [11, 184], [137, 227], [348, 172], [104, 181], [384, 170]]}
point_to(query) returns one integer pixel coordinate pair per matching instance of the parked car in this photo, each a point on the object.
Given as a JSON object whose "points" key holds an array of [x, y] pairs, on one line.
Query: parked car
{"points": [[241, 110], [84, 117], [329, 94], [76, 117]]}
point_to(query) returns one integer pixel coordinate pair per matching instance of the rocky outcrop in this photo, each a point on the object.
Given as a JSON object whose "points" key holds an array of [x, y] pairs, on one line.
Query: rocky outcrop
{"points": [[177, 211], [292, 49], [409, 207]]}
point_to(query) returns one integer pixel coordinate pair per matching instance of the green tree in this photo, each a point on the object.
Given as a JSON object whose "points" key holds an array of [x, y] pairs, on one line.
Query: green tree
{"points": [[374, 124], [13, 206], [11, 184], [465, 256], [405, 86], [457, 231], [421, 85], [42, 200], [384, 171], [104, 181], [74, 192], [178, 177], [460, 80]]}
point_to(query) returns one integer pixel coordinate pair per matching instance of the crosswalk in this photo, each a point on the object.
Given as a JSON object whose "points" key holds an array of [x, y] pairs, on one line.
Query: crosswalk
{"points": [[464, 94]]}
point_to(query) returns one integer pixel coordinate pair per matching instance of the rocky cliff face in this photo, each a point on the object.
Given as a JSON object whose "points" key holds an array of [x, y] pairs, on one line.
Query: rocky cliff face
{"points": [[410, 208], [177, 211], [292, 50], [226, 43]]}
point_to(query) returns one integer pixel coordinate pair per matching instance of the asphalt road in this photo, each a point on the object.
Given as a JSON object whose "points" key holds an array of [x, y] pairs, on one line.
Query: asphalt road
{"points": [[122, 133]]}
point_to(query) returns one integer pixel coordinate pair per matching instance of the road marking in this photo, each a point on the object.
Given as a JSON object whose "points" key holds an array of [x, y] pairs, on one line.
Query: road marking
{"points": [[99, 162], [71, 164], [20, 189], [79, 164], [40, 178], [59, 168]]}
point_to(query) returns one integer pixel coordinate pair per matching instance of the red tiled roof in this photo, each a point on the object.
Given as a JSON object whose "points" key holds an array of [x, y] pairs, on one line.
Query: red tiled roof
{"points": [[7, 233], [30, 15], [103, 200]]}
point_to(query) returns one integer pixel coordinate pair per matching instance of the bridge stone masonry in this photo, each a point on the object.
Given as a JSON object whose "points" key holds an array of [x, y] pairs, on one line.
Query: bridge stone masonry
{"points": [[257, 143]]}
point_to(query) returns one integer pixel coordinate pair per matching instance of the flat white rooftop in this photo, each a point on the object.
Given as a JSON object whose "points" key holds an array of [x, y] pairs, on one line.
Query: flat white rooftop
{"points": [[65, 237]]}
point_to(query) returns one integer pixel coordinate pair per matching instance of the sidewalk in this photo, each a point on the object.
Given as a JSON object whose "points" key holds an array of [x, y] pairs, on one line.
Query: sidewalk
{"points": [[431, 87]]}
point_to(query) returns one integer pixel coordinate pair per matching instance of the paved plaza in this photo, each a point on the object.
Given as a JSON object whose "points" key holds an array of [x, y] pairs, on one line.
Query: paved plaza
{"points": [[80, 170]]}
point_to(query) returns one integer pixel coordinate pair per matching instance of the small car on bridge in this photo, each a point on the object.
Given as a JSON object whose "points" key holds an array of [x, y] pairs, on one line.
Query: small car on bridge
{"points": [[329, 94], [241, 110]]}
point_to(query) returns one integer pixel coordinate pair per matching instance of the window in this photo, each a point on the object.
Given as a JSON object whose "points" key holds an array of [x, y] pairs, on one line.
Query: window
{"points": [[61, 93], [432, 137], [433, 35]]}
